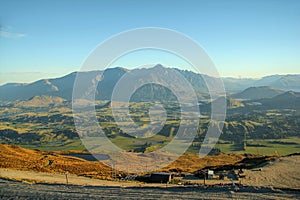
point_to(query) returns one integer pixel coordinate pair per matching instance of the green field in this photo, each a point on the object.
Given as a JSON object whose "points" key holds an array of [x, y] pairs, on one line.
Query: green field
{"points": [[266, 147], [268, 132]]}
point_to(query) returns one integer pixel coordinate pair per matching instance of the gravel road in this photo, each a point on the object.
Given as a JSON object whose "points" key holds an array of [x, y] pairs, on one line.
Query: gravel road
{"points": [[20, 190]]}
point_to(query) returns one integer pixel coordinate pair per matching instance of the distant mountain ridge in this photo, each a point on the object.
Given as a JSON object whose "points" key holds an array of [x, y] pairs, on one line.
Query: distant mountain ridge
{"points": [[286, 100], [63, 86], [282, 82], [258, 93]]}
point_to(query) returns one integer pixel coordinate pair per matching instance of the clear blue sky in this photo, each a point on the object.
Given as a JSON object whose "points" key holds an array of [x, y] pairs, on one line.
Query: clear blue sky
{"points": [[41, 39]]}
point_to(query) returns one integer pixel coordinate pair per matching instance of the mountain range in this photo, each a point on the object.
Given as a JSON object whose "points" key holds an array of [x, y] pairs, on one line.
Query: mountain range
{"points": [[266, 87], [283, 82]]}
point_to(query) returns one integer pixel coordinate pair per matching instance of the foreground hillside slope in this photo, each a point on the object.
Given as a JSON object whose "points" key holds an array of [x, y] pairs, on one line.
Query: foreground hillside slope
{"points": [[277, 172], [282, 173], [15, 157]]}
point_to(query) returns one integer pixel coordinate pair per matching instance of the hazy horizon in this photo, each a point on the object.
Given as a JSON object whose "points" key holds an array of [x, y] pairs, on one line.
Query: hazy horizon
{"points": [[49, 76]]}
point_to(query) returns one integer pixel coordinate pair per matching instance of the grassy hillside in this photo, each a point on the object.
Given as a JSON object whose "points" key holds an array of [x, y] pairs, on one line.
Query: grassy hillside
{"points": [[52, 127], [41, 101], [15, 157]]}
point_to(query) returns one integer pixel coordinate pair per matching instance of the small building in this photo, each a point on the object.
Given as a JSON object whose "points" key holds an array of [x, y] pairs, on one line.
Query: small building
{"points": [[160, 177], [210, 174]]}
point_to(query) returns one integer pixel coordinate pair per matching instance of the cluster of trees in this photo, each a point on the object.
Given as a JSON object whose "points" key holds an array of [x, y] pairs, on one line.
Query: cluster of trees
{"points": [[10, 136]]}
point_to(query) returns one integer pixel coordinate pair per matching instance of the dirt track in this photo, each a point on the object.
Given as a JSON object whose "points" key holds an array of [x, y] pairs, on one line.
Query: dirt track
{"points": [[59, 178], [52, 186], [19, 190]]}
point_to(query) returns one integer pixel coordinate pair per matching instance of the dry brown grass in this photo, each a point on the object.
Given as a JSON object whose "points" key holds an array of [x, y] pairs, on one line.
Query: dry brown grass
{"points": [[15, 157], [138, 162], [280, 172], [192, 162]]}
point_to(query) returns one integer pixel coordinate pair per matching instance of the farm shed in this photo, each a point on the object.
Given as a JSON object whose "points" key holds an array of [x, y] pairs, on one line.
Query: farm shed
{"points": [[160, 177], [210, 174]]}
